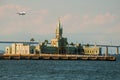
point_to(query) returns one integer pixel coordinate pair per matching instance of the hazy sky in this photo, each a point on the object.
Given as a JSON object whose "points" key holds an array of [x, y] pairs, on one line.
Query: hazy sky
{"points": [[84, 21]]}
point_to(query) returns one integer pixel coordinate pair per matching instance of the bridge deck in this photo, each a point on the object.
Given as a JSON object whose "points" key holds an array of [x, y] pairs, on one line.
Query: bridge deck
{"points": [[28, 42]]}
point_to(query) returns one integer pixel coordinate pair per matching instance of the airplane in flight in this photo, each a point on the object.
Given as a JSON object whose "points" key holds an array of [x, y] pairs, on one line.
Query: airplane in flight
{"points": [[21, 13]]}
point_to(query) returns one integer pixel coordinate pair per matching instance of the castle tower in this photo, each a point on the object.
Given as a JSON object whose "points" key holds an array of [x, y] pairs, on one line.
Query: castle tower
{"points": [[59, 30], [59, 40]]}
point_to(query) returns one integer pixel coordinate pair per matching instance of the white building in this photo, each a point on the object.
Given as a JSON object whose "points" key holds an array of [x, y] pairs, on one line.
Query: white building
{"points": [[92, 50], [18, 49], [8, 50]]}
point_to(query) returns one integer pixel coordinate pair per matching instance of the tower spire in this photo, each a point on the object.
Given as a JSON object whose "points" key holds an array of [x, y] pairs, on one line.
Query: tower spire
{"points": [[59, 24], [59, 29]]}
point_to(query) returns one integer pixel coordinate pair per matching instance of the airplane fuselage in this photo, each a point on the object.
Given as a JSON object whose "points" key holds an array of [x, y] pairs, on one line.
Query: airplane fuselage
{"points": [[22, 13]]}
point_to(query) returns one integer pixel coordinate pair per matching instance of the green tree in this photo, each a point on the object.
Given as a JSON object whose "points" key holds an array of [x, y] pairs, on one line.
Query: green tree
{"points": [[72, 43], [32, 39], [46, 41]]}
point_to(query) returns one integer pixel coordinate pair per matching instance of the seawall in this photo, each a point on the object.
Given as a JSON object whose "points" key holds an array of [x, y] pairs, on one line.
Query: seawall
{"points": [[55, 57]]}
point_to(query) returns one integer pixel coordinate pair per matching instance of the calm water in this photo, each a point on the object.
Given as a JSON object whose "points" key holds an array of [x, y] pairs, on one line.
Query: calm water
{"points": [[59, 70]]}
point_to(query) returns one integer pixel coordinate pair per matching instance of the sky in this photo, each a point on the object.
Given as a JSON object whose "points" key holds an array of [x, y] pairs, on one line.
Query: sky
{"points": [[83, 21]]}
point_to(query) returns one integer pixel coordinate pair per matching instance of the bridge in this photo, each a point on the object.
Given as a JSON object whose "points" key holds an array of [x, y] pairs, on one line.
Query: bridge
{"points": [[33, 42], [105, 45], [24, 42]]}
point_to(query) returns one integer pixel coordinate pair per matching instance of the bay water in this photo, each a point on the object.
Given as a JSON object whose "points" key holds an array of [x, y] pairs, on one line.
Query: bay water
{"points": [[59, 70]]}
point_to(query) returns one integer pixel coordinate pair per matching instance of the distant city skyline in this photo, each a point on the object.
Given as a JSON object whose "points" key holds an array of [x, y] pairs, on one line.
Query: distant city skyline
{"points": [[84, 21]]}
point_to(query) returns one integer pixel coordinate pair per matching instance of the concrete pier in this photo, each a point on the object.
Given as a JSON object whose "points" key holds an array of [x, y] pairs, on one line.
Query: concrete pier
{"points": [[117, 50], [106, 54], [55, 57]]}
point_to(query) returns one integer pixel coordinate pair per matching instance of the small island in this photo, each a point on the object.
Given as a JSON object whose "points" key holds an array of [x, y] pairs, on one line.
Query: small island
{"points": [[57, 49]]}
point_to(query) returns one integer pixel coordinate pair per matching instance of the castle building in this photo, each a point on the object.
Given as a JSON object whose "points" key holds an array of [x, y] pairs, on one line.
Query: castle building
{"points": [[58, 45], [60, 42]]}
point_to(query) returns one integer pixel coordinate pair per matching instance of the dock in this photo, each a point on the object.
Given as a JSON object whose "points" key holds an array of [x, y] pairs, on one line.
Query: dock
{"points": [[55, 57]]}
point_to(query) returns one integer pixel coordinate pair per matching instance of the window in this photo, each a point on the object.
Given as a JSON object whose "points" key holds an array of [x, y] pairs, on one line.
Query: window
{"points": [[96, 51]]}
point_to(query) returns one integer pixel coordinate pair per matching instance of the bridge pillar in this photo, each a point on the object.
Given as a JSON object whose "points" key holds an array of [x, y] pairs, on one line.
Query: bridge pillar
{"points": [[106, 54], [117, 50]]}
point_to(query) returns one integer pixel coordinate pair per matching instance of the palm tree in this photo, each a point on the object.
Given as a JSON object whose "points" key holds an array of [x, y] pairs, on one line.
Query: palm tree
{"points": [[87, 45], [32, 39], [72, 44], [46, 41]]}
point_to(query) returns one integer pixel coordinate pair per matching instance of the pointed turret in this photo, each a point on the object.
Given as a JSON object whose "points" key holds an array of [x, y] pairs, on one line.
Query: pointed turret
{"points": [[59, 30]]}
